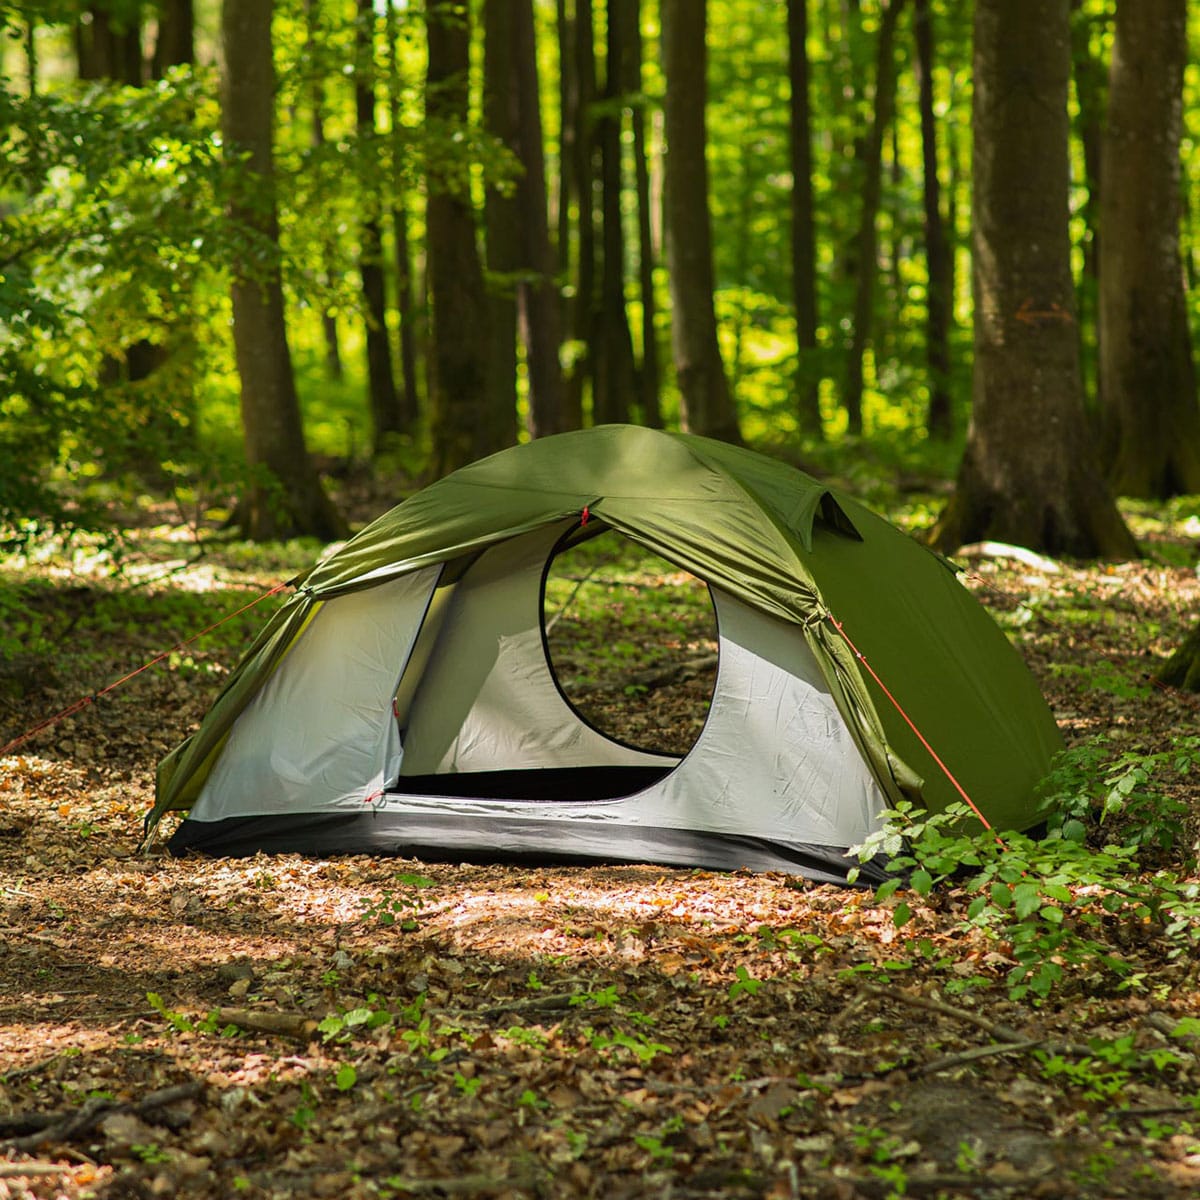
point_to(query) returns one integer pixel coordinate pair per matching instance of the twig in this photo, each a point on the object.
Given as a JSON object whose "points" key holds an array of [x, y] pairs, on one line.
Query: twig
{"points": [[15, 1170], [554, 1002], [949, 1061], [464, 1185], [1002, 1033], [61, 1127], [296, 1025], [916, 1185], [32, 1069]]}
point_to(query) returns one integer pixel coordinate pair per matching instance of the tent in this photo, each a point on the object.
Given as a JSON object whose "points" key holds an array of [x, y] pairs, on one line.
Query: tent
{"points": [[402, 699]]}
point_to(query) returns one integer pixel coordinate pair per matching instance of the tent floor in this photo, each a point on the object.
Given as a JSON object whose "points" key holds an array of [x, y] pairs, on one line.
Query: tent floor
{"points": [[561, 784]]}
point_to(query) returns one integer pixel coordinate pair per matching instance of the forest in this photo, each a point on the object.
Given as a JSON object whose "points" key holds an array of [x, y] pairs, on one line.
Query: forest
{"points": [[270, 267]]}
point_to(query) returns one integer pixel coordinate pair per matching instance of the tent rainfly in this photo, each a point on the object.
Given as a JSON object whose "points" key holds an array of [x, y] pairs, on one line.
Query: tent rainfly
{"points": [[402, 700]]}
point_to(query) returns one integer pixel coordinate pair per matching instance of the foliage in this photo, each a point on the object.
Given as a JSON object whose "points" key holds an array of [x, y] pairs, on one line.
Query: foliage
{"points": [[1050, 901]]}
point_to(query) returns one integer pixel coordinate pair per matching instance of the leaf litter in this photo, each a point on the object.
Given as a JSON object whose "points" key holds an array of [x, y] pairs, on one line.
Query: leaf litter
{"points": [[359, 1027]]}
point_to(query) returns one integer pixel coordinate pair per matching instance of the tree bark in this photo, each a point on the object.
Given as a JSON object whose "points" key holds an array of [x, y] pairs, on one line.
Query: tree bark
{"points": [[329, 323], [1029, 474], [650, 375], [706, 401], [1090, 85], [538, 302], [866, 255], [409, 396], [109, 44], [582, 308], [1182, 669], [462, 425], [175, 45], [1147, 374], [501, 218], [940, 414], [386, 422], [804, 238], [284, 497], [615, 384]]}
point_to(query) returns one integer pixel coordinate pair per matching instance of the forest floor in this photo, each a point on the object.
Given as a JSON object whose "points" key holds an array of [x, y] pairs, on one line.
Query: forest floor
{"points": [[356, 1027]]}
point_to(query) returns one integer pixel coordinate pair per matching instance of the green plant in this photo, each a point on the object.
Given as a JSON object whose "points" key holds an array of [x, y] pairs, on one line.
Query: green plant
{"points": [[744, 984], [1090, 785], [345, 1077], [655, 1147], [149, 1152], [1046, 899], [401, 907]]}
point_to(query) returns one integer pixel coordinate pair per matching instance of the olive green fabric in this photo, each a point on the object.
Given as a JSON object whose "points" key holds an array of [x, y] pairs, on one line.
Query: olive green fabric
{"points": [[761, 530]]}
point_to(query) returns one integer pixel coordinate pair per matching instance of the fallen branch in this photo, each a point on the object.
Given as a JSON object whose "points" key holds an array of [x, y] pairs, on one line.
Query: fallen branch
{"points": [[1001, 1032], [61, 1127], [918, 1185], [949, 1061], [464, 1185], [299, 1026], [15, 1170]]}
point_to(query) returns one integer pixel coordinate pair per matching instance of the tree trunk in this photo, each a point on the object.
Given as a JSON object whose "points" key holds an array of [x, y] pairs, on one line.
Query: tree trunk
{"points": [[462, 425], [329, 324], [1182, 669], [1090, 85], [538, 302], [501, 219], [284, 497], [31, 59], [1148, 380], [615, 382], [109, 44], [582, 311], [866, 257], [804, 238], [381, 384], [649, 377], [409, 397], [706, 401], [1029, 474], [175, 45], [940, 417]]}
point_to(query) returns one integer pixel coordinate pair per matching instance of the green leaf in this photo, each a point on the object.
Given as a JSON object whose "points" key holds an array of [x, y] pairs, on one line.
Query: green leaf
{"points": [[901, 915], [1027, 898], [886, 890], [346, 1077], [921, 882]]}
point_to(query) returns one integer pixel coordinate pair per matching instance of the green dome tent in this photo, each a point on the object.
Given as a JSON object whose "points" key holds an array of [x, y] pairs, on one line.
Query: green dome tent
{"points": [[402, 699]]}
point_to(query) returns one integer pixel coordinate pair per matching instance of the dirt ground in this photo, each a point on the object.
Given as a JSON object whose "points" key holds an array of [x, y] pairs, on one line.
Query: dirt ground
{"points": [[286, 1027]]}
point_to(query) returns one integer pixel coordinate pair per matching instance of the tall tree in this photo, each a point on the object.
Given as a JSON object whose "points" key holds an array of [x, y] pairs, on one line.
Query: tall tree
{"points": [[708, 407], [649, 373], [462, 425], [175, 44], [502, 222], [539, 307], [940, 418], [329, 321], [108, 42], [614, 374], [581, 121], [381, 385], [1147, 374], [283, 496], [408, 399], [804, 238], [1029, 473], [866, 242]]}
